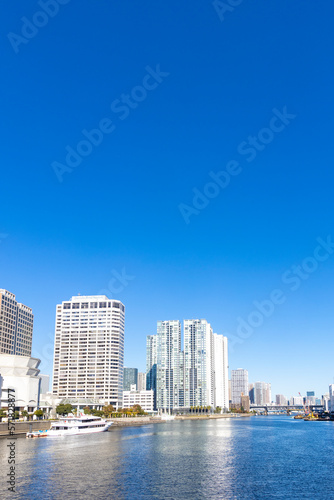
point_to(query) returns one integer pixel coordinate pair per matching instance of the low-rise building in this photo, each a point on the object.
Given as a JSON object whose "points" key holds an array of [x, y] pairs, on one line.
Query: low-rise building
{"points": [[142, 398], [21, 376]]}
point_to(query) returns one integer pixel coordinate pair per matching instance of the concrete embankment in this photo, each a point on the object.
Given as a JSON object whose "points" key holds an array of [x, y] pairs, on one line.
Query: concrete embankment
{"points": [[24, 427], [21, 428], [213, 417]]}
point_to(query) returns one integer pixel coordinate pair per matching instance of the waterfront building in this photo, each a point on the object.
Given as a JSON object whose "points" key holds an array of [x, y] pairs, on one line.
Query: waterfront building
{"points": [[141, 386], [181, 392], [89, 349], [168, 364], [220, 369], [151, 366], [45, 383], [245, 403], [281, 400], [310, 398], [331, 398], [16, 326], [130, 377], [198, 363], [296, 401], [143, 398], [325, 401], [20, 373], [251, 393], [262, 393], [197, 376], [239, 383]]}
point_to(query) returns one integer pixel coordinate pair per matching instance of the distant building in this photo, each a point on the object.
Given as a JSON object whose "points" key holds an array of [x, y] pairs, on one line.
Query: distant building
{"points": [[220, 369], [45, 383], [325, 402], [16, 326], [281, 400], [245, 403], [168, 364], [130, 377], [198, 363], [251, 393], [310, 398], [262, 393], [296, 401], [151, 365], [142, 398], [239, 382], [141, 386], [331, 398]]}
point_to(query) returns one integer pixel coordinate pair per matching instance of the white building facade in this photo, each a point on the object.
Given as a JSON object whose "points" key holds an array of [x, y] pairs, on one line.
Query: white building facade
{"points": [[89, 349], [197, 376], [21, 374], [239, 385], [141, 381], [262, 393], [331, 398], [143, 398], [16, 325], [198, 363], [168, 364], [220, 368]]}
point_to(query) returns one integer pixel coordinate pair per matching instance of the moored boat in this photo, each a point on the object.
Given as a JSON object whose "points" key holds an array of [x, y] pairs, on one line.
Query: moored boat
{"points": [[67, 426]]}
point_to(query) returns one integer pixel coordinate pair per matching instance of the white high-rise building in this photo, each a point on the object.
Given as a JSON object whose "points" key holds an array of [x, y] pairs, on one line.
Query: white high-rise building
{"points": [[331, 398], [151, 362], [262, 393], [198, 363], [16, 325], [141, 381], [239, 384], [220, 368], [151, 366], [281, 400], [89, 349], [168, 364]]}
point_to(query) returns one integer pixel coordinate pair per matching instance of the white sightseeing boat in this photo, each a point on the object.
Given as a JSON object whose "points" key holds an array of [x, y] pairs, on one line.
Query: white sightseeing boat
{"points": [[67, 426]]}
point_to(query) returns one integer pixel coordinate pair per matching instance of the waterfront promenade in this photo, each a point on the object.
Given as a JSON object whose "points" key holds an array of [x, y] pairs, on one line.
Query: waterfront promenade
{"points": [[21, 428]]}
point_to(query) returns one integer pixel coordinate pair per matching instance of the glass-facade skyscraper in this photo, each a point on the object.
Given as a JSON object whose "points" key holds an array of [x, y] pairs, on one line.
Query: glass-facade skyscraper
{"points": [[197, 376], [130, 377]]}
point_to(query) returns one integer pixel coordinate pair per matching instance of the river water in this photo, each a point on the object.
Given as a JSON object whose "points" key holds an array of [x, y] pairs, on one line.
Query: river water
{"points": [[239, 458]]}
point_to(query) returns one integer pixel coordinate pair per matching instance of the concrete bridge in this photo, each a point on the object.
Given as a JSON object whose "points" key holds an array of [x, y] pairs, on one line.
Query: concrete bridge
{"points": [[277, 408]]}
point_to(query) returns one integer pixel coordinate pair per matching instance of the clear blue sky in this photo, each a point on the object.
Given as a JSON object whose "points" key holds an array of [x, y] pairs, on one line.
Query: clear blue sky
{"points": [[120, 207]]}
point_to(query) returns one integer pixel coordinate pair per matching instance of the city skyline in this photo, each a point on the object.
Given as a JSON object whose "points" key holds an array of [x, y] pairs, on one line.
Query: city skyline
{"points": [[287, 394], [208, 192]]}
